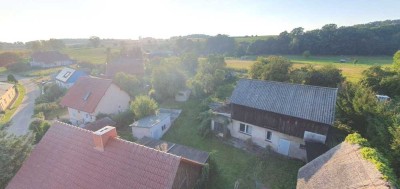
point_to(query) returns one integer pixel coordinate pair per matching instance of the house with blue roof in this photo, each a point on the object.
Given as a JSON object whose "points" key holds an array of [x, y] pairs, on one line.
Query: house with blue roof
{"points": [[68, 76]]}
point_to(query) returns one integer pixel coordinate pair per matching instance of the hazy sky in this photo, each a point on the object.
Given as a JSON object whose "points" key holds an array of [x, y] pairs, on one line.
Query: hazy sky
{"points": [[25, 20]]}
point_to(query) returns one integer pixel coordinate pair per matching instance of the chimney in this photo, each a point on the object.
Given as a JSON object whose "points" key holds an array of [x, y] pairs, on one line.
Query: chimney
{"points": [[101, 136]]}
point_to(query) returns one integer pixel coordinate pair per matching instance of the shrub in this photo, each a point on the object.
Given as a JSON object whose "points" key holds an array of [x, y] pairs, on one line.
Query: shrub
{"points": [[124, 118], [46, 107], [39, 128], [11, 78], [307, 54], [143, 106]]}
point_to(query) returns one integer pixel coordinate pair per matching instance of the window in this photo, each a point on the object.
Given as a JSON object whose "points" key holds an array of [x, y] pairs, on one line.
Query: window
{"points": [[245, 129], [87, 115], [163, 127], [268, 135]]}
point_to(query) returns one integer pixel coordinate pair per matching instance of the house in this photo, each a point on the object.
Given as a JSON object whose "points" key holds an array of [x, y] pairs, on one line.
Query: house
{"points": [[7, 95], [72, 157], [279, 115], [90, 96], [68, 76], [186, 152], [341, 167], [153, 126], [100, 123], [183, 95], [48, 59], [382, 98], [132, 65]]}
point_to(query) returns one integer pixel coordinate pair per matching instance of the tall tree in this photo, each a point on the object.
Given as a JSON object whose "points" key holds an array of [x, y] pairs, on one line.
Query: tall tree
{"points": [[275, 68], [94, 41]]}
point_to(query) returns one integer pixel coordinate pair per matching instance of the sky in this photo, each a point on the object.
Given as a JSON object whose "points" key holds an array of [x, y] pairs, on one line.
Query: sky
{"points": [[27, 20]]}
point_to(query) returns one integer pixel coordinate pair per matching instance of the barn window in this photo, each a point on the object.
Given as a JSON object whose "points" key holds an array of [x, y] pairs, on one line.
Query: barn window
{"points": [[245, 129], [268, 135]]}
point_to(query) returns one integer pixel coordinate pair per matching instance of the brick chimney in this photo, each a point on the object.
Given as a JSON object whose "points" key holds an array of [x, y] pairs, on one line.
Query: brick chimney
{"points": [[101, 136]]}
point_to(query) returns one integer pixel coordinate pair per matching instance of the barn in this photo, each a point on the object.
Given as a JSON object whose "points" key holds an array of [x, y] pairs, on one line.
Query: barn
{"points": [[280, 115]]}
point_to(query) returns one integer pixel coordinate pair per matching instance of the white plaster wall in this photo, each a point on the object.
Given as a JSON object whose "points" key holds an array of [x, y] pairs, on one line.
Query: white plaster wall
{"points": [[78, 118], [114, 101], [258, 136], [140, 132]]}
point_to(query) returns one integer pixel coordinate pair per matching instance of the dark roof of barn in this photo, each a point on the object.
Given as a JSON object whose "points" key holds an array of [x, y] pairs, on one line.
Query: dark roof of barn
{"points": [[308, 102]]}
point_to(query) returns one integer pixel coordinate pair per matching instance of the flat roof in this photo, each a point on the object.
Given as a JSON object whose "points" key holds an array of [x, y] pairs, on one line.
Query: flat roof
{"points": [[150, 121]]}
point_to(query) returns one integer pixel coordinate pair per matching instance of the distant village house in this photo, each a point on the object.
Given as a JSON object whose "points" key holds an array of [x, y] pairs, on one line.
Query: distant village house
{"points": [[7, 95], [132, 65], [90, 96], [68, 76], [48, 59]]}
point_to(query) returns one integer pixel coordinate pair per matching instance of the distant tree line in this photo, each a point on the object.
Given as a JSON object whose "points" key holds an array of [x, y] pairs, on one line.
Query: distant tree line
{"points": [[376, 38]]}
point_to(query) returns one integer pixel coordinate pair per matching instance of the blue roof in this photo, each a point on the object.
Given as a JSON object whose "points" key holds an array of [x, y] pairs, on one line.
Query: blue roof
{"points": [[75, 76]]}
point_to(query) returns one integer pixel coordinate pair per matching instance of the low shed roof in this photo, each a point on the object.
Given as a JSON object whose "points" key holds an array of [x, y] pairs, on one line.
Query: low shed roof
{"points": [[151, 120], [308, 102], [192, 154]]}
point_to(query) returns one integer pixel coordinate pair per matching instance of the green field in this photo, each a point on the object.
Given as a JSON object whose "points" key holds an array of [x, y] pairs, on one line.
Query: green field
{"points": [[351, 71], [234, 164], [93, 55]]}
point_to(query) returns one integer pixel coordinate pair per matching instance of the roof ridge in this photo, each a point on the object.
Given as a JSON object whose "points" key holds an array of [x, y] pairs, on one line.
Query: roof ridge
{"points": [[287, 83], [116, 139]]}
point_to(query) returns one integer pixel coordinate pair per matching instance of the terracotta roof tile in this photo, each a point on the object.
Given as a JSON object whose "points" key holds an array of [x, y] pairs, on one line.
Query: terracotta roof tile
{"points": [[86, 94], [66, 158]]}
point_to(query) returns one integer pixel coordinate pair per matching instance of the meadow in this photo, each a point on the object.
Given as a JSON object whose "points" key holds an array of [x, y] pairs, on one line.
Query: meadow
{"points": [[351, 71]]}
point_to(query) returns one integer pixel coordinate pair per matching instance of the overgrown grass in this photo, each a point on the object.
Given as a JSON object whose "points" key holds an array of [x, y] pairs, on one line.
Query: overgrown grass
{"points": [[234, 164], [41, 72], [9, 112]]}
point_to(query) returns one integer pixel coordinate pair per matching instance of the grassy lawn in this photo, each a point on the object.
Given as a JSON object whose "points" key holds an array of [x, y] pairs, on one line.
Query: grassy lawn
{"points": [[352, 72], [234, 164], [9, 112]]}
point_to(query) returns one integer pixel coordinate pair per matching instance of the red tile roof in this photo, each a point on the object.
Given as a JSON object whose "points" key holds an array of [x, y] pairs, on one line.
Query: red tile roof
{"points": [[66, 158], [98, 124], [86, 94]]}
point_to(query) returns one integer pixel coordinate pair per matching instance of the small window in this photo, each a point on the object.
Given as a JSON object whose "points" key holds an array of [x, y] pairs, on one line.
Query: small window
{"points": [[163, 127], [268, 135], [87, 115], [245, 129]]}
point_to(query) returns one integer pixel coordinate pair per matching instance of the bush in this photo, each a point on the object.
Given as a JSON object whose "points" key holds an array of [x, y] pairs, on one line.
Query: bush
{"points": [[39, 128], [46, 108], [307, 54], [124, 118], [11, 78], [143, 106]]}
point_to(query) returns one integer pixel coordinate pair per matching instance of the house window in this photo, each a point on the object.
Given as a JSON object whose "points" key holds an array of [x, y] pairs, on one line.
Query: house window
{"points": [[87, 115], [163, 127], [268, 135], [245, 129]]}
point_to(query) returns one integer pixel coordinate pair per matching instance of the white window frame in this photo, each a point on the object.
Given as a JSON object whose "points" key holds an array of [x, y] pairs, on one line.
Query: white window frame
{"points": [[247, 129], [266, 136]]}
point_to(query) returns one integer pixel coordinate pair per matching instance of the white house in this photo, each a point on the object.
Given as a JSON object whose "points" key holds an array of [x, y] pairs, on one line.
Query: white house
{"points": [[90, 96], [68, 76], [280, 115], [154, 126], [47, 59]]}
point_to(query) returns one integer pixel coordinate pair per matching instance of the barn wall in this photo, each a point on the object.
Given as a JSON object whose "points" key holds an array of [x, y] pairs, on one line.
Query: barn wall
{"points": [[285, 124], [186, 176]]}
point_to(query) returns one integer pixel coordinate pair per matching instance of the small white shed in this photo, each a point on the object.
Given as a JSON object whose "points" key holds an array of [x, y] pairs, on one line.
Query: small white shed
{"points": [[154, 126]]}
